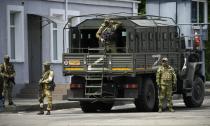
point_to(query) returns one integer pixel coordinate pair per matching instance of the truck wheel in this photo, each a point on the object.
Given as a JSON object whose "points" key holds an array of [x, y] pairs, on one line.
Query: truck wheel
{"points": [[105, 107], [146, 100], [88, 107], [197, 97]]}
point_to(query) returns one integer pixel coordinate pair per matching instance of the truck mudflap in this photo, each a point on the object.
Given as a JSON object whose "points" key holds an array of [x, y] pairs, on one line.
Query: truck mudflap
{"points": [[101, 99]]}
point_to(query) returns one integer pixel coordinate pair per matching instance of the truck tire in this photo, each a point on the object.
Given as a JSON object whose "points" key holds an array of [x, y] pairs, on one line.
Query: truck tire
{"points": [[146, 99], [88, 107], [198, 92]]}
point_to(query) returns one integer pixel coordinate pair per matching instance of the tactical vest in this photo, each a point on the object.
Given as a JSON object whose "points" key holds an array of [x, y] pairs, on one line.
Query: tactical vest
{"points": [[166, 75], [107, 34], [48, 85], [8, 69]]}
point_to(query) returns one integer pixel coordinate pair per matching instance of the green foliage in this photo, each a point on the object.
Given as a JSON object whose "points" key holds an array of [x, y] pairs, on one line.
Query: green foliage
{"points": [[142, 7], [207, 56]]}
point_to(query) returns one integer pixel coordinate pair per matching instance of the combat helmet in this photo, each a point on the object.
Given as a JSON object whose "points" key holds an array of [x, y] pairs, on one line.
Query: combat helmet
{"points": [[165, 59]]}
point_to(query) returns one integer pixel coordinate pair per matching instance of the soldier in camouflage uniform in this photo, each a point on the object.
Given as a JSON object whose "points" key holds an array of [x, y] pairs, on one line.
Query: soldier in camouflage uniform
{"points": [[1, 83], [46, 88], [105, 34], [166, 80], [8, 75]]}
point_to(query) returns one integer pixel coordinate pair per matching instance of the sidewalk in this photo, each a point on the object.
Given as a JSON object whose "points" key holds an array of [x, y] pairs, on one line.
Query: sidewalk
{"points": [[33, 105]]}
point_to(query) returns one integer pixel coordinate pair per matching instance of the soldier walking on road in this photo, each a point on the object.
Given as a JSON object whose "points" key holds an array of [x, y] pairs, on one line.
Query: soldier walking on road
{"points": [[46, 86], [8, 75], [166, 81], [105, 34]]}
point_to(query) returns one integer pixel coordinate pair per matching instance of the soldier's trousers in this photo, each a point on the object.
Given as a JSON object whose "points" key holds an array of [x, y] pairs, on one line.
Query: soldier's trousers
{"points": [[7, 90], [1, 86], [165, 91], [46, 93]]}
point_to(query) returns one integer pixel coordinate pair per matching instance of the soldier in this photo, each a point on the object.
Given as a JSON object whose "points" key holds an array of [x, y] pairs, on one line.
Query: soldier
{"points": [[1, 83], [105, 34], [166, 80], [8, 75], [46, 86]]}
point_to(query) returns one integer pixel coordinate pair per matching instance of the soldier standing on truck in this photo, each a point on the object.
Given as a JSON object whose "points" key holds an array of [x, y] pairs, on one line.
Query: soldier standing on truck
{"points": [[166, 80], [105, 35], [46, 86], [8, 75]]}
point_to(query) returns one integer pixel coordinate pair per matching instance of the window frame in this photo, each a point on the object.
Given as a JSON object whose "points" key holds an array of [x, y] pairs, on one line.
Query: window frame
{"points": [[19, 54], [198, 10], [61, 13]]}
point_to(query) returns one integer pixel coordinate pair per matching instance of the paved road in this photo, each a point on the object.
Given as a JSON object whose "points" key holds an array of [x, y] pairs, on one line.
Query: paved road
{"points": [[119, 116]]}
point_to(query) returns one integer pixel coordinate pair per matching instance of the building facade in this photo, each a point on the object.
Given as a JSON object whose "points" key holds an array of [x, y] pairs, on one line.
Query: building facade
{"points": [[30, 38], [190, 15]]}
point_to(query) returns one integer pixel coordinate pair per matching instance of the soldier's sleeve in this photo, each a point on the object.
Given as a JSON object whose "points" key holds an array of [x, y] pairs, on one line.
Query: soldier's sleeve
{"points": [[2, 70], [50, 77], [116, 24], [158, 75], [13, 71], [99, 32]]}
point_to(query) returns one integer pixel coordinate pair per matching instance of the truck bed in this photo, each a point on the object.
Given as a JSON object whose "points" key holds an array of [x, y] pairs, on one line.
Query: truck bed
{"points": [[115, 64]]}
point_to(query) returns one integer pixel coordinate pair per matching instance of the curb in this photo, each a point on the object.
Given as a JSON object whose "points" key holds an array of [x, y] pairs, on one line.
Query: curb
{"points": [[35, 107]]}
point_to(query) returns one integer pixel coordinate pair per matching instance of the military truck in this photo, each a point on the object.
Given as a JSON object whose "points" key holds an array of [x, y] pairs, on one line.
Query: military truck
{"points": [[100, 78]]}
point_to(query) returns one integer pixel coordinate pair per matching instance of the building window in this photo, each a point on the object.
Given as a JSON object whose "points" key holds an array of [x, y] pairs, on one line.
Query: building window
{"points": [[55, 42], [15, 34], [57, 35], [56, 32], [12, 35], [201, 12], [198, 11]]}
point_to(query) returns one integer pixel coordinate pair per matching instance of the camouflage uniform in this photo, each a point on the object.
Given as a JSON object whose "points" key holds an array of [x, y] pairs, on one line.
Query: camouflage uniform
{"points": [[166, 80], [1, 83], [8, 74], [45, 88], [105, 34]]}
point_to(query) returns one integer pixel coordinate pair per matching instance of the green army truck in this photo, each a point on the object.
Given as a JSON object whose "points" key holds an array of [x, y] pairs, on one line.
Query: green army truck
{"points": [[99, 78]]}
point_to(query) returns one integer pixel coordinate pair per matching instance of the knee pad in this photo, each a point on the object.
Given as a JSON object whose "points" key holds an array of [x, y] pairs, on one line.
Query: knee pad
{"points": [[41, 105]]}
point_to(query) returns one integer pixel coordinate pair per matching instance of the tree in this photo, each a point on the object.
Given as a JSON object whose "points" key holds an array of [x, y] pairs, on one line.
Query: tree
{"points": [[142, 7], [207, 56]]}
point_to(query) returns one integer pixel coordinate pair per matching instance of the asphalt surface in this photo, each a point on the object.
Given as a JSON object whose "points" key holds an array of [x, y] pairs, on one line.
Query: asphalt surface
{"points": [[124, 115]]}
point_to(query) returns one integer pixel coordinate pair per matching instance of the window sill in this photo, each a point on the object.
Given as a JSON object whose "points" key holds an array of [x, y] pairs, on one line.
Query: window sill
{"points": [[56, 62], [16, 61]]}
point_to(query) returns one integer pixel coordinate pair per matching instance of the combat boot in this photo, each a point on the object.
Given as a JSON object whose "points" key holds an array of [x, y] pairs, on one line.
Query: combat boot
{"points": [[41, 112], [171, 110], [160, 110], [48, 112]]}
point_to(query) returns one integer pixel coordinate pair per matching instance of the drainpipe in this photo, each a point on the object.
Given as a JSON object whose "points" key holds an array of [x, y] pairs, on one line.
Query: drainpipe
{"points": [[65, 38], [176, 12], [66, 9]]}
